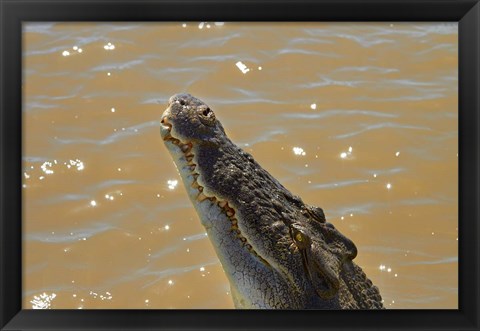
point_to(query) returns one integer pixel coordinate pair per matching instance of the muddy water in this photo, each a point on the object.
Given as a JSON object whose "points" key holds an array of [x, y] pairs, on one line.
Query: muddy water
{"points": [[360, 119]]}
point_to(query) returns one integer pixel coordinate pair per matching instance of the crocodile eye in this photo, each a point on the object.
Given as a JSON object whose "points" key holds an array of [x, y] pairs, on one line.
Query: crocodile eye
{"points": [[206, 115], [300, 239]]}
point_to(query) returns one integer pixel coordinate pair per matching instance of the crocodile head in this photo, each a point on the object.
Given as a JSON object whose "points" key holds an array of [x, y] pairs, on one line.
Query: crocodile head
{"points": [[277, 251]]}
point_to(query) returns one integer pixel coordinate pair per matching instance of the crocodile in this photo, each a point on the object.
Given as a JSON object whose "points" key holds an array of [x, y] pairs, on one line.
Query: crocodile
{"points": [[277, 251]]}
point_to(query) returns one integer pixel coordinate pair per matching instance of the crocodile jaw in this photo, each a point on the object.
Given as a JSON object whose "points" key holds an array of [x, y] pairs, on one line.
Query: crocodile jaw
{"points": [[217, 216]]}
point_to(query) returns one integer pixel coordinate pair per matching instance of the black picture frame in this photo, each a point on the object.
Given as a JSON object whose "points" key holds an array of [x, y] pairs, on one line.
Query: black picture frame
{"points": [[14, 12]]}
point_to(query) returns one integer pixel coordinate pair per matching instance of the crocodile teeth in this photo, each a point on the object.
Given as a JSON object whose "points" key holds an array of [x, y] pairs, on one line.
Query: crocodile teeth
{"points": [[166, 123], [201, 197], [186, 147], [229, 211]]}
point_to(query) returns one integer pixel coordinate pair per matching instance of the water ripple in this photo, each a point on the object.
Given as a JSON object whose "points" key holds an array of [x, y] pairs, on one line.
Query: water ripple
{"points": [[242, 100], [387, 171], [380, 126], [179, 70], [160, 275], [420, 31], [267, 135], [365, 208], [34, 159], [114, 182], [340, 184], [325, 81], [118, 66], [309, 41], [35, 27], [410, 82], [29, 106], [219, 58], [195, 237], [59, 97], [339, 112], [447, 260], [113, 138], [284, 51], [210, 42], [364, 40], [394, 250], [73, 236], [64, 198], [447, 47], [368, 69], [423, 97], [416, 202]]}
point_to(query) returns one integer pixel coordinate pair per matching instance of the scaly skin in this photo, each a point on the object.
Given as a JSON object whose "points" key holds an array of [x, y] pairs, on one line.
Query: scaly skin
{"points": [[277, 252]]}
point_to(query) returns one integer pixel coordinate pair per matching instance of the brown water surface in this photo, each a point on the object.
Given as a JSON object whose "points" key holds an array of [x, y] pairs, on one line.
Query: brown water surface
{"points": [[360, 119]]}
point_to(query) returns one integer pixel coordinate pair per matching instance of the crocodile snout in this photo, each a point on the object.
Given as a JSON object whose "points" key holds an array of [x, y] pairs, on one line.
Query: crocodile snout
{"points": [[185, 99]]}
